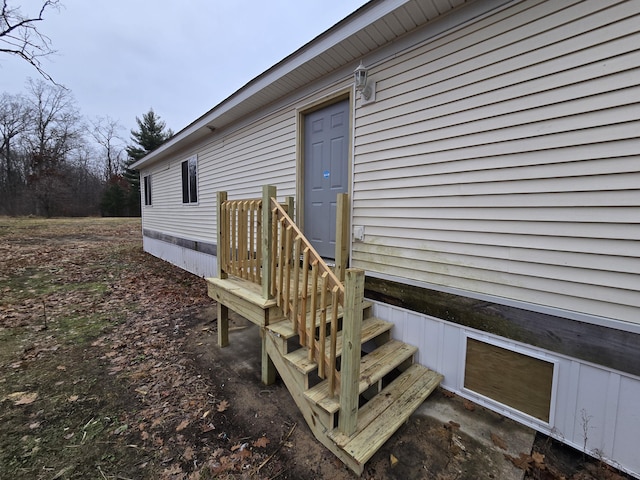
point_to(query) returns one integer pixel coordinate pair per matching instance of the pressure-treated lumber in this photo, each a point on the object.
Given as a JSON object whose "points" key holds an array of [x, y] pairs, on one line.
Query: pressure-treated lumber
{"points": [[373, 367], [245, 298], [342, 235], [318, 421], [350, 371], [371, 328], [273, 277], [387, 411], [221, 234], [268, 192]]}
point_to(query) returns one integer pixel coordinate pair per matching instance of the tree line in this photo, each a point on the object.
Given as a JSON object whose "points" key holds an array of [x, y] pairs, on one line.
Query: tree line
{"points": [[54, 162]]}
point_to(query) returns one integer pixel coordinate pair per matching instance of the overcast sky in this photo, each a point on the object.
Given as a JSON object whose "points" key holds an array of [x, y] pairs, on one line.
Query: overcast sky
{"points": [[121, 57]]}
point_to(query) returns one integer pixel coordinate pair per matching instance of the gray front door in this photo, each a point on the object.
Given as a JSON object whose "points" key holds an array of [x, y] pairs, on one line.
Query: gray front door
{"points": [[326, 173]]}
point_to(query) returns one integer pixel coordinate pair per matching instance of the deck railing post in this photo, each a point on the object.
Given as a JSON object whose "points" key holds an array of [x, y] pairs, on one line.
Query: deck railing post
{"points": [[289, 202], [268, 192], [222, 254], [342, 235], [350, 370], [223, 239]]}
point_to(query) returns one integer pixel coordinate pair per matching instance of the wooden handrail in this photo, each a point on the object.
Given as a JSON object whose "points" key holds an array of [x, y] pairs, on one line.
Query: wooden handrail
{"points": [[303, 279], [266, 247]]}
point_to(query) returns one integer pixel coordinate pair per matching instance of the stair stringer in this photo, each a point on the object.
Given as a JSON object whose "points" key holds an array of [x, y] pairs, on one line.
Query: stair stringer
{"points": [[312, 414]]}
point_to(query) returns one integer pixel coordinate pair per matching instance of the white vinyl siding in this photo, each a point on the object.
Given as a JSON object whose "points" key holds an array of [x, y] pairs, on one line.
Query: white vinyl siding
{"points": [[240, 163], [504, 159]]}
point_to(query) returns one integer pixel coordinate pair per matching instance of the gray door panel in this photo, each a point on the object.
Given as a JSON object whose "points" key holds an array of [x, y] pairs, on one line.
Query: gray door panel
{"points": [[326, 154]]}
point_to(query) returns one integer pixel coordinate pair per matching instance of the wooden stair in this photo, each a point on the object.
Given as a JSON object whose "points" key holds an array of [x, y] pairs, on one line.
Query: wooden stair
{"points": [[392, 387], [366, 385]]}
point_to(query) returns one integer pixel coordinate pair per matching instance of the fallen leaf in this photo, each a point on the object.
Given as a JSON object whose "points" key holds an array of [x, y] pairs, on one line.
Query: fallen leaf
{"points": [[25, 398], [183, 424], [498, 442], [223, 405], [538, 458], [523, 462], [393, 460], [261, 442], [469, 405], [73, 398], [188, 454], [206, 414], [208, 427]]}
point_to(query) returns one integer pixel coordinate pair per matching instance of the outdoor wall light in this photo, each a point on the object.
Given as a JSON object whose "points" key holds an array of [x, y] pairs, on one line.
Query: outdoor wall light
{"points": [[367, 89]]}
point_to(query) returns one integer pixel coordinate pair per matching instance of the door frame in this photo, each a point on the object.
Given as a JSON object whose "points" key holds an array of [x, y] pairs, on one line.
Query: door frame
{"points": [[301, 112]]}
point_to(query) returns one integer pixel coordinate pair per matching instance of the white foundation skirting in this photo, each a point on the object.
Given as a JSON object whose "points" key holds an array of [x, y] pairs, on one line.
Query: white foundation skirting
{"points": [[589, 398]]}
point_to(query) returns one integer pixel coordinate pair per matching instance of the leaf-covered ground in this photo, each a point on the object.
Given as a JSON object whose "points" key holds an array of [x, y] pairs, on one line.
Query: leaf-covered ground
{"points": [[95, 381], [109, 370]]}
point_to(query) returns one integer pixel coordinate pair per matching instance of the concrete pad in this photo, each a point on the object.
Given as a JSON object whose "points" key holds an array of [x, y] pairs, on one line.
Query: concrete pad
{"points": [[500, 435]]}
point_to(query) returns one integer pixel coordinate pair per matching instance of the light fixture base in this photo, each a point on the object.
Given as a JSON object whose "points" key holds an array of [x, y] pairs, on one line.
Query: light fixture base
{"points": [[368, 93]]}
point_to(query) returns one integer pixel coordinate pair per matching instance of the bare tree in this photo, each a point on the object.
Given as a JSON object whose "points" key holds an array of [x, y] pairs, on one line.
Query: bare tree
{"points": [[15, 118], [106, 132], [20, 36], [56, 130]]}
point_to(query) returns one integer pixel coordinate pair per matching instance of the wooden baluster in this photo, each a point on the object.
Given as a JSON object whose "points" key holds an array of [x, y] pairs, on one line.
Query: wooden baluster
{"points": [[322, 340], [242, 237], [287, 270], [234, 238], [314, 308], [296, 282], [247, 241], [304, 295], [252, 240], [333, 340], [281, 244], [274, 251], [259, 244]]}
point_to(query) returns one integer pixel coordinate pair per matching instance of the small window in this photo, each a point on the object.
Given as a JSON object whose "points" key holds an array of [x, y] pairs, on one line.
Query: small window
{"points": [[147, 190], [190, 180]]}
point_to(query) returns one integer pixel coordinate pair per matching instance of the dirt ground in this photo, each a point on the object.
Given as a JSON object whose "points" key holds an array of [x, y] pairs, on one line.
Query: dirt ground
{"points": [[109, 369]]}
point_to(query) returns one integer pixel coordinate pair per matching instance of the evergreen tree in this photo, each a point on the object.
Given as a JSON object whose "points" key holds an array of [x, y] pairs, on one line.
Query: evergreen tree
{"points": [[151, 133]]}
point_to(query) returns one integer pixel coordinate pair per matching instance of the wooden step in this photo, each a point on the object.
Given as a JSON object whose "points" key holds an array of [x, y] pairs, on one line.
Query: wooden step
{"points": [[373, 367], [371, 328], [379, 419], [285, 330]]}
